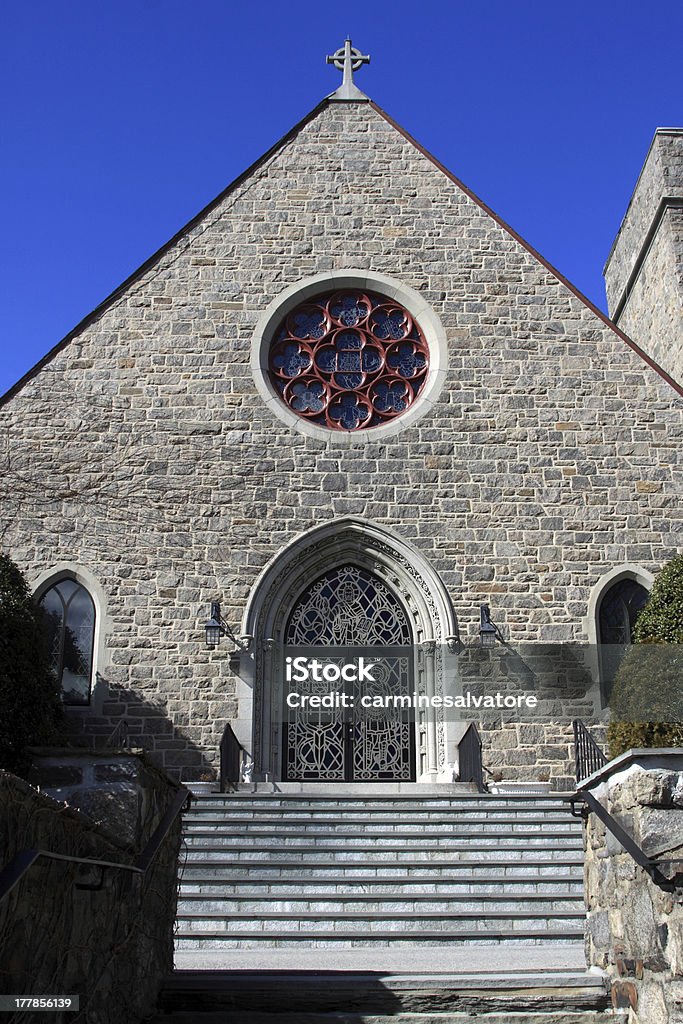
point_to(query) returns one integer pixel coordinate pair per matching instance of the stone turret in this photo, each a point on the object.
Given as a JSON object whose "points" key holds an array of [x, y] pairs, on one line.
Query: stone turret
{"points": [[644, 270]]}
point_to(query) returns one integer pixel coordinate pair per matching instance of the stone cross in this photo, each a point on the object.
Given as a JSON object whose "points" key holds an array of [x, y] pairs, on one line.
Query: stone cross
{"points": [[348, 60]]}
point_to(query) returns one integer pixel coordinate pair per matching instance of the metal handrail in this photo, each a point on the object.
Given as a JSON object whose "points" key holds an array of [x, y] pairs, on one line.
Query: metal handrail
{"points": [[16, 868], [629, 844], [588, 757]]}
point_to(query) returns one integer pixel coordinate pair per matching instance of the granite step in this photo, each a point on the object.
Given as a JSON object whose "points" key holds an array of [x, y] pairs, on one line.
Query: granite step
{"points": [[523, 869], [321, 997], [422, 885], [244, 904], [446, 827]]}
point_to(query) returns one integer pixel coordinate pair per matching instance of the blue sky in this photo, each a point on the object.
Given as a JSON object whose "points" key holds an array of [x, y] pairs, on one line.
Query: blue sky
{"points": [[121, 120]]}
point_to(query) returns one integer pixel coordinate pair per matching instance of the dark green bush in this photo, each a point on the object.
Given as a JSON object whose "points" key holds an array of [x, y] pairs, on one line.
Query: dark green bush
{"points": [[30, 706], [647, 698], [661, 620]]}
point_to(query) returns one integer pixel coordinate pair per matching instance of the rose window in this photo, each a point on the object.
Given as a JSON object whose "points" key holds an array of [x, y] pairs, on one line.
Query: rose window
{"points": [[349, 360]]}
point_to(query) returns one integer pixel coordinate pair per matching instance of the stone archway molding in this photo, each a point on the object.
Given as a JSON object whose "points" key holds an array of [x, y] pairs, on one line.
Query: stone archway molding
{"points": [[625, 571], [402, 567], [103, 624]]}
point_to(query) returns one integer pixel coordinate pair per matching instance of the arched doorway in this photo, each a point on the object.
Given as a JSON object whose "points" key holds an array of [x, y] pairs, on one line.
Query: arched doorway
{"points": [[351, 607], [399, 588]]}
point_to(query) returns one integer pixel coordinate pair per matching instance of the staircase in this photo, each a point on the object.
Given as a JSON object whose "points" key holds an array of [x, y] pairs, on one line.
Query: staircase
{"points": [[286, 871], [442, 906]]}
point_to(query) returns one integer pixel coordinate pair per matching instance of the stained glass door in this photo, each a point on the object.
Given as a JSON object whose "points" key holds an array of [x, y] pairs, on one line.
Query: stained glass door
{"points": [[351, 608]]}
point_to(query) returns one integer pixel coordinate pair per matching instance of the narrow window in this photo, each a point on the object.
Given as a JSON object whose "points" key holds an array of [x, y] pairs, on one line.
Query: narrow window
{"points": [[69, 615], [617, 613]]}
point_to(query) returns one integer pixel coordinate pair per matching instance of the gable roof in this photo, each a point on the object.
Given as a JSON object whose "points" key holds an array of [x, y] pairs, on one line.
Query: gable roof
{"points": [[291, 134]]}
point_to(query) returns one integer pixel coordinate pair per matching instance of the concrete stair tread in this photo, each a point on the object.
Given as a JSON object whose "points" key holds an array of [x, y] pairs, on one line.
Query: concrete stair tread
{"points": [[391, 939], [462, 863], [187, 899], [298, 881], [433, 817], [579, 1016], [475, 841], [284, 981], [417, 792], [372, 915], [231, 826]]}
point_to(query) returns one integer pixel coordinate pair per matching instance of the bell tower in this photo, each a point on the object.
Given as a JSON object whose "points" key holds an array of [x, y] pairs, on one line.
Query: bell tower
{"points": [[644, 270]]}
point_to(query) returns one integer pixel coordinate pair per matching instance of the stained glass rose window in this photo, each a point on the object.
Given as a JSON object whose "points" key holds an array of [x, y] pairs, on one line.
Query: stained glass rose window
{"points": [[348, 360]]}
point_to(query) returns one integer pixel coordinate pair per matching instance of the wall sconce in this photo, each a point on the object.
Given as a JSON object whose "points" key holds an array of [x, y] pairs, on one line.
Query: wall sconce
{"points": [[217, 627], [488, 631]]}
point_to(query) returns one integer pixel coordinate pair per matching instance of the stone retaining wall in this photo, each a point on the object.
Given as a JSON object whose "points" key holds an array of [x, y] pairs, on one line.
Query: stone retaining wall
{"points": [[635, 930], [68, 929]]}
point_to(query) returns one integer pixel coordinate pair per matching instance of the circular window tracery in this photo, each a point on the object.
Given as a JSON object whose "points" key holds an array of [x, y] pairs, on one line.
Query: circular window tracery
{"points": [[348, 360]]}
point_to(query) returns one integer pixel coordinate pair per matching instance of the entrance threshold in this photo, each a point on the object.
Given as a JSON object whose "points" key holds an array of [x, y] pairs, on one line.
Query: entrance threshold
{"points": [[361, 788]]}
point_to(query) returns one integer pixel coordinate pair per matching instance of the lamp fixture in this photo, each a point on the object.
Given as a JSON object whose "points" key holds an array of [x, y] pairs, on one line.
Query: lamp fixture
{"points": [[488, 631], [217, 627]]}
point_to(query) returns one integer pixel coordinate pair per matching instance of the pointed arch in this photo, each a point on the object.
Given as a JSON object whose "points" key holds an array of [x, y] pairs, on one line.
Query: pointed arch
{"points": [[364, 543], [401, 568]]}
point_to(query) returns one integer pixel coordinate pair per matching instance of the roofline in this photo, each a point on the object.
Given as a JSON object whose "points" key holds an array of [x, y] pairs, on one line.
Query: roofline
{"points": [[151, 260], [518, 238]]}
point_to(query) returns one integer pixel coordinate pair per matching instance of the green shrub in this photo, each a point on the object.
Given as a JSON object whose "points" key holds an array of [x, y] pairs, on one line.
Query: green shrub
{"points": [[661, 620], [30, 706], [647, 698]]}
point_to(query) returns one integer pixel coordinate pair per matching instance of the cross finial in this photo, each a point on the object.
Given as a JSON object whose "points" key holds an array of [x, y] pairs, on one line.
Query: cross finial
{"points": [[348, 60]]}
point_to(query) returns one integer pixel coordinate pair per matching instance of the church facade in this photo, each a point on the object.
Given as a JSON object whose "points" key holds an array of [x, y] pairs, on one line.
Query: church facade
{"points": [[354, 408]]}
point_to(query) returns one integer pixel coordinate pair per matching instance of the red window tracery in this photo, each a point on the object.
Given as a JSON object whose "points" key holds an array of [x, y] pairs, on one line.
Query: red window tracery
{"points": [[349, 360]]}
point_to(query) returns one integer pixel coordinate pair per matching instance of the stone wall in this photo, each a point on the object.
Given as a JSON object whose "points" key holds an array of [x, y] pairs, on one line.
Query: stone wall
{"points": [[120, 792], [634, 929], [652, 300], [550, 457], [68, 929]]}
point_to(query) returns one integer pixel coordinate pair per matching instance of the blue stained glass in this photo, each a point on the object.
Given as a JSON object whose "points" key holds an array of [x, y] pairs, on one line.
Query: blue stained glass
{"points": [[353, 340], [308, 323], [348, 310], [308, 396], [346, 340], [348, 380], [406, 360], [349, 361], [291, 360], [348, 412], [389, 326], [326, 360], [390, 397], [371, 360]]}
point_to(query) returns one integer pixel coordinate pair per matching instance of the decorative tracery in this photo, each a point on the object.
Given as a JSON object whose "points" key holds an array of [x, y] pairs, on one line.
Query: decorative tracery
{"points": [[349, 360], [351, 607]]}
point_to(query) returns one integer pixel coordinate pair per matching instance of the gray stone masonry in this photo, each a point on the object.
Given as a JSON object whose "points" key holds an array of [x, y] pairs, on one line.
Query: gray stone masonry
{"points": [[644, 272], [143, 452], [634, 928]]}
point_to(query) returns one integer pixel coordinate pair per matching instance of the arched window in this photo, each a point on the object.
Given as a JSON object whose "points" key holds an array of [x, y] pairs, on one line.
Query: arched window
{"points": [[69, 616], [617, 613]]}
